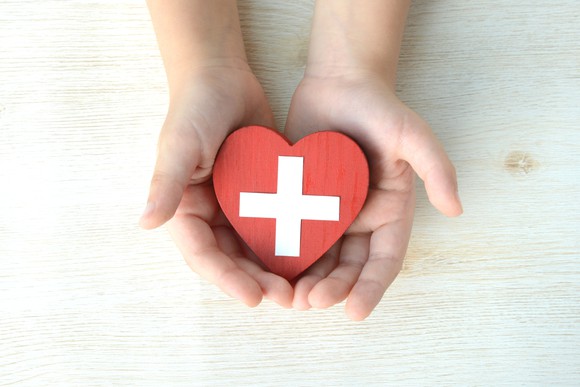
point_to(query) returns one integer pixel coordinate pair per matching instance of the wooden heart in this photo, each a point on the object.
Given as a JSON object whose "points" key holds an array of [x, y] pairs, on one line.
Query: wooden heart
{"points": [[290, 203]]}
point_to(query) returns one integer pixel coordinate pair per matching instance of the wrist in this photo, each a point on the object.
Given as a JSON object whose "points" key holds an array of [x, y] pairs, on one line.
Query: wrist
{"points": [[197, 34], [356, 36]]}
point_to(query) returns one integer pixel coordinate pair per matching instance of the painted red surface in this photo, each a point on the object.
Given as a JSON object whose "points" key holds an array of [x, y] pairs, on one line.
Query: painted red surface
{"points": [[334, 165]]}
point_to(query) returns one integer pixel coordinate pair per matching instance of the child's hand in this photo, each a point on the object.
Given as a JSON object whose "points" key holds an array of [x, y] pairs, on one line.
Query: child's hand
{"points": [[214, 101], [212, 92], [349, 87], [397, 141]]}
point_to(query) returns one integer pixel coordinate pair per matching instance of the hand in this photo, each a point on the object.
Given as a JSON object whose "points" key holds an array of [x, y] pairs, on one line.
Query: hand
{"points": [[366, 260], [212, 92], [214, 100]]}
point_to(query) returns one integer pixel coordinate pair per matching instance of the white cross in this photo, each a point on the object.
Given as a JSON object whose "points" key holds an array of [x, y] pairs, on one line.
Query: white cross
{"points": [[289, 206]]}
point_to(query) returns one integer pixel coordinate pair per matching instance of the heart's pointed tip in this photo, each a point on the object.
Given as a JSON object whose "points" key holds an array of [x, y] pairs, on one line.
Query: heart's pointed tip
{"points": [[289, 268], [289, 274]]}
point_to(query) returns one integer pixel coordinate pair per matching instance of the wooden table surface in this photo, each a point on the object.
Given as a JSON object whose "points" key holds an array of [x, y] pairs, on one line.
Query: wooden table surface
{"points": [[87, 298]]}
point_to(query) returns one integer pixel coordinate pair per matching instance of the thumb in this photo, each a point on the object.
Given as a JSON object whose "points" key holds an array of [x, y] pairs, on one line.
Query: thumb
{"points": [[422, 150], [177, 158]]}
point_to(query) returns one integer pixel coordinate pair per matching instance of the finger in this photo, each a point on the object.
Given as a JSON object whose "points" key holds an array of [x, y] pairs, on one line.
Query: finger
{"points": [[337, 285], [197, 243], [426, 155], [177, 159], [388, 245], [273, 287], [301, 291], [319, 270]]}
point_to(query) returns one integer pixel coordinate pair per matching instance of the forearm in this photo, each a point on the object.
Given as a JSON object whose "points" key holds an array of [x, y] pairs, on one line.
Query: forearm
{"points": [[194, 33], [357, 34]]}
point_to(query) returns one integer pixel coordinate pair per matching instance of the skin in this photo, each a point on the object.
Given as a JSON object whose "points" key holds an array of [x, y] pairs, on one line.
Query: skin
{"points": [[348, 86]]}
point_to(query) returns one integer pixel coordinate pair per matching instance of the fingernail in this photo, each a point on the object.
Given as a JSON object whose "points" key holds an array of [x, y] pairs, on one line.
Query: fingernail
{"points": [[147, 212]]}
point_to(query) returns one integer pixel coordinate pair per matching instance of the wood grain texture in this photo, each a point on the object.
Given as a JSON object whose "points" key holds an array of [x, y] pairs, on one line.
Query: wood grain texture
{"points": [[86, 298], [332, 165]]}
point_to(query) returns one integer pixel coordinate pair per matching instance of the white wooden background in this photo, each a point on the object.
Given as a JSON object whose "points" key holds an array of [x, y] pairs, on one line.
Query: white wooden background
{"points": [[88, 299]]}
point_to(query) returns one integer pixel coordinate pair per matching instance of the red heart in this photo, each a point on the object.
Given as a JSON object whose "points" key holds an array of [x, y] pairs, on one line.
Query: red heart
{"points": [[309, 212]]}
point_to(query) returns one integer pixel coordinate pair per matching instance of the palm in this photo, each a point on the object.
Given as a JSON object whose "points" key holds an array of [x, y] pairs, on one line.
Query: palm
{"points": [[213, 249], [369, 256]]}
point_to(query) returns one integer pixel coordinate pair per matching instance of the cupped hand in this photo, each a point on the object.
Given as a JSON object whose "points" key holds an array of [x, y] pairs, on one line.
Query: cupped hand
{"points": [[398, 143], [207, 105]]}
